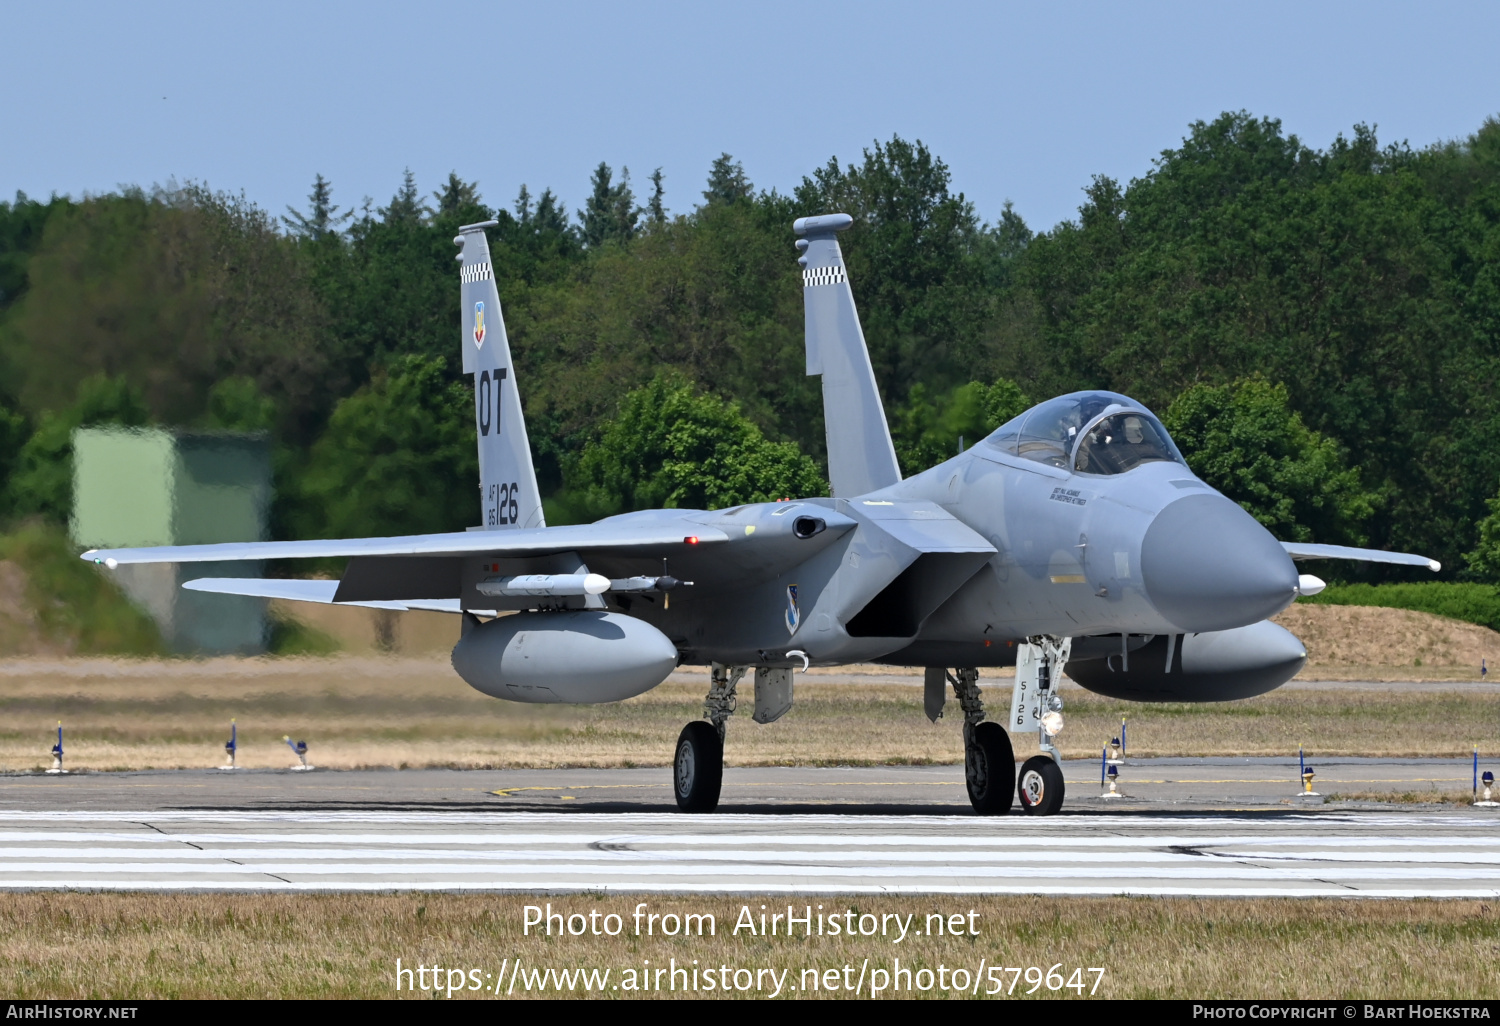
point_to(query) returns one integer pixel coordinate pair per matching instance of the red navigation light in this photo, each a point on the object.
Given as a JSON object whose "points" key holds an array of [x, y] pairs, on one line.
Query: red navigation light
{"points": [[691, 539]]}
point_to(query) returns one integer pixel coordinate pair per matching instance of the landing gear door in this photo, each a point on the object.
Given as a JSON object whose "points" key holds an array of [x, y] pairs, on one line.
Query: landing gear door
{"points": [[1033, 663], [1025, 710]]}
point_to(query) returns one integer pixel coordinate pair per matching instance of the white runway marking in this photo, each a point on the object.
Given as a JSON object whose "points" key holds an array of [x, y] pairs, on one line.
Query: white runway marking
{"points": [[1326, 854]]}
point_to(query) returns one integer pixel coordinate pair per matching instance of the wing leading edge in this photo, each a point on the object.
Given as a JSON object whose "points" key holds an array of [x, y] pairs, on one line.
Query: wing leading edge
{"points": [[526, 542], [1299, 550]]}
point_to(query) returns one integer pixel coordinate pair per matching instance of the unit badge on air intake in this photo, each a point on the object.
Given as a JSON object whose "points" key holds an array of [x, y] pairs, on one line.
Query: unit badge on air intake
{"points": [[793, 614]]}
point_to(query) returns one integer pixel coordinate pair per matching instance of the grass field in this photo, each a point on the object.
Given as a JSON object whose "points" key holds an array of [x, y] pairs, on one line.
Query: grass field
{"points": [[123, 946], [372, 712]]}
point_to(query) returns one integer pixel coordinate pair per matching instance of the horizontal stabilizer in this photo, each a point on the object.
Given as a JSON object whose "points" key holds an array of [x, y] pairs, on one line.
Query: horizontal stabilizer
{"points": [[1298, 550], [309, 591], [656, 540]]}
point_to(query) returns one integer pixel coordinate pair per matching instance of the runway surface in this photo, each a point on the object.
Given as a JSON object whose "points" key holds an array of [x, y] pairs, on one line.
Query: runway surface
{"points": [[1301, 854], [1225, 827]]}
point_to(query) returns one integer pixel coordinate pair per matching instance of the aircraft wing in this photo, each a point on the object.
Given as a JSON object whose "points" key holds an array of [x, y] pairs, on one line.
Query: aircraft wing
{"points": [[311, 591], [624, 538], [1299, 550]]}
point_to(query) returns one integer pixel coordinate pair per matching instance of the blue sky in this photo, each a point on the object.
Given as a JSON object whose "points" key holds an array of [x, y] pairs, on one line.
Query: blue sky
{"points": [[1024, 101]]}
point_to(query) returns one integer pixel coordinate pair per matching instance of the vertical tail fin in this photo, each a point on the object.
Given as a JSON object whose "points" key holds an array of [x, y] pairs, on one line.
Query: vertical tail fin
{"points": [[507, 480], [861, 457]]}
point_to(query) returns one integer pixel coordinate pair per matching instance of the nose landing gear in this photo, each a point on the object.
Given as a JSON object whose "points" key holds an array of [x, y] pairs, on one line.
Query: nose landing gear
{"points": [[1040, 786], [1036, 705]]}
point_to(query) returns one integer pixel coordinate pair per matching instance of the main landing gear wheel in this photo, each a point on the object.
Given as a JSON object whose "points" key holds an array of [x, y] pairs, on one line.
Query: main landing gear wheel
{"points": [[698, 768], [990, 769], [1041, 786]]}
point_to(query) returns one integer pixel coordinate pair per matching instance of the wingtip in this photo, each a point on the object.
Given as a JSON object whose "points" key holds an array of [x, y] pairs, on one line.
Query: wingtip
{"points": [[1434, 565]]}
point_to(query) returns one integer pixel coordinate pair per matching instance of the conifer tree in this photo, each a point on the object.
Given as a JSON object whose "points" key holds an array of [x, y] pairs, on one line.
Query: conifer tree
{"points": [[610, 212], [656, 212], [407, 206], [456, 195], [727, 182], [322, 217]]}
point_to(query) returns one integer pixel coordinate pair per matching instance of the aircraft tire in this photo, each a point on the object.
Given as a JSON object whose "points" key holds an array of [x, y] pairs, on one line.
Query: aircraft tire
{"points": [[990, 770], [1040, 786], [698, 767]]}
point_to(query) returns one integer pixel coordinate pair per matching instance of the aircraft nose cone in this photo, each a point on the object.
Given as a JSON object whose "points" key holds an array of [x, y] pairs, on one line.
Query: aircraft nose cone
{"points": [[1209, 566]]}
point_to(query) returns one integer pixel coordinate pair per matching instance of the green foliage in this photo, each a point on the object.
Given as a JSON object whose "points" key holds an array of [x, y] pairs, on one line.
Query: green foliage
{"points": [[1473, 603], [237, 404], [671, 446], [610, 213], [927, 432], [172, 293], [1246, 441], [322, 218], [1484, 561], [41, 483], [13, 435], [407, 207], [21, 226], [456, 197], [727, 182], [915, 262], [398, 458], [1362, 276], [715, 297], [656, 211], [76, 605]]}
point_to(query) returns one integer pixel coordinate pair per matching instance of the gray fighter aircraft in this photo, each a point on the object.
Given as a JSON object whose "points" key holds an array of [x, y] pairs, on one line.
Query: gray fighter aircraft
{"points": [[1074, 537]]}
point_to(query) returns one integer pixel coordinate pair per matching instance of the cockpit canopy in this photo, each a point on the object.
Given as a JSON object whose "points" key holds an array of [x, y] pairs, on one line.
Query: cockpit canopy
{"points": [[1088, 432]]}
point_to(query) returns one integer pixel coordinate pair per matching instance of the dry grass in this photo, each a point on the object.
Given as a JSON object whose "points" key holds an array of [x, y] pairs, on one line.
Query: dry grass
{"points": [[123, 946], [1429, 796], [369, 712], [1372, 643]]}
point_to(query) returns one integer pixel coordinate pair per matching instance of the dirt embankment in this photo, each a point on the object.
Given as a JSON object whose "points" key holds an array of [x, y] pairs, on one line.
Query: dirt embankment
{"points": [[1388, 644]]}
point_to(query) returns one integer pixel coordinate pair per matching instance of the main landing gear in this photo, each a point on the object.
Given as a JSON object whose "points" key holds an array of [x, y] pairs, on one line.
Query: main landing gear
{"points": [[989, 760], [698, 765]]}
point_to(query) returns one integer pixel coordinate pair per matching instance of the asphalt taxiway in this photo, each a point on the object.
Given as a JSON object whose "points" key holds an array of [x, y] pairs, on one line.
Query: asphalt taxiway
{"points": [[1176, 784], [1209, 827]]}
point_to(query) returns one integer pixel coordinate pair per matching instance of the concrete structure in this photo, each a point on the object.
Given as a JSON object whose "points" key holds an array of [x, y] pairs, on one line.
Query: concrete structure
{"points": [[150, 486]]}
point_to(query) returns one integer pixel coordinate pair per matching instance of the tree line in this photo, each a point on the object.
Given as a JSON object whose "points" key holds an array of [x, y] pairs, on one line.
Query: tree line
{"points": [[1320, 329]]}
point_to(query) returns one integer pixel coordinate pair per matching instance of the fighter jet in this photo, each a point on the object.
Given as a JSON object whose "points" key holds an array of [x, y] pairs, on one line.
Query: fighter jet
{"points": [[1073, 539]]}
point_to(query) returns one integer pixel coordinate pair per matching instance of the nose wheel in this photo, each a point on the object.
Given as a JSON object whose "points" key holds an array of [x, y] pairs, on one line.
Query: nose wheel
{"points": [[1040, 786]]}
